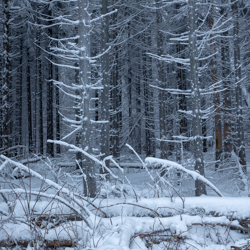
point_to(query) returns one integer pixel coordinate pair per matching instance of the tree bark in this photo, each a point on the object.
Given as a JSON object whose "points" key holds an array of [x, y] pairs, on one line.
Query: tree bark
{"points": [[218, 120], [104, 95], [227, 93], [29, 103], [86, 94], [240, 145], [115, 102], [196, 99], [50, 94], [6, 78], [161, 83]]}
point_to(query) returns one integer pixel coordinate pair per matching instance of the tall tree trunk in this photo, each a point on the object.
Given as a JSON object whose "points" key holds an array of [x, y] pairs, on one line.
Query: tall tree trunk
{"points": [[29, 103], [196, 99], [86, 94], [6, 78], [18, 104], [182, 102], [57, 115], [227, 96], [238, 81], [50, 95], [161, 83], [218, 121], [104, 95], [40, 108], [227, 93], [115, 100]]}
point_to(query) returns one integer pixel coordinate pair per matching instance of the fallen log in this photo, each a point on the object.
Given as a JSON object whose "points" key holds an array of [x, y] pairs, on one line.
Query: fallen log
{"points": [[53, 219], [31, 160], [44, 243]]}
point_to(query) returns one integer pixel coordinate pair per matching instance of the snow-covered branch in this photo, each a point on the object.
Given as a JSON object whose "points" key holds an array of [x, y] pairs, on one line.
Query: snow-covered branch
{"points": [[103, 16], [84, 210], [193, 174]]}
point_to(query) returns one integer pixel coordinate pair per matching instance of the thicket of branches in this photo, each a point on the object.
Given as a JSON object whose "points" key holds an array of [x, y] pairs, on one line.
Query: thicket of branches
{"points": [[162, 76]]}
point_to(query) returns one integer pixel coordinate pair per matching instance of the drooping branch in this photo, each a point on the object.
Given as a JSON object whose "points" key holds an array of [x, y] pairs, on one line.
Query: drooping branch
{"points": [[84, 210], [193, 174]]}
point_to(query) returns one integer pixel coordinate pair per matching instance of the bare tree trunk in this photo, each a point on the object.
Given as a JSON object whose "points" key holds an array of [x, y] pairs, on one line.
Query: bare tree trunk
{"points": [[86, 94], [161, 83], [238, 78], [29, 102], [104, 96], [18, 104], [50, 94], [115, 104], [40, 107], [196, 99], [227, 93], [182, 103], [218, 121], [227, 96], [57, 116], [6, 78]]}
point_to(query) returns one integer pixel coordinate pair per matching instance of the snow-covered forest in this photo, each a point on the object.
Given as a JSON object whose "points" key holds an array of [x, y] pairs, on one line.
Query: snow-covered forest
{"points": [[124, 124]]}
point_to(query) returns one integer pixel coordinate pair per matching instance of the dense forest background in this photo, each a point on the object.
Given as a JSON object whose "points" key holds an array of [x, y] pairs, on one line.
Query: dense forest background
{"points": [[163, 76]]}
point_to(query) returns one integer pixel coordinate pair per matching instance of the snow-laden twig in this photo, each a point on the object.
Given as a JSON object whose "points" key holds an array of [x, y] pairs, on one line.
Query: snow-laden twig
{"points": [[146, 168], [132, 204], [143, 164], [107, 169], [193, 174], [243, 176], [103, 16], [102, 163], [50, 196], [2, 211], [86, 213], [117, 165], [122, 238], [76, 149], [170, 185]]}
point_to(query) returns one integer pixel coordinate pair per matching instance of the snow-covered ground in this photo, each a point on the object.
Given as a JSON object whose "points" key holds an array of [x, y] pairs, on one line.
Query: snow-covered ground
{"points": [[136, 211]]}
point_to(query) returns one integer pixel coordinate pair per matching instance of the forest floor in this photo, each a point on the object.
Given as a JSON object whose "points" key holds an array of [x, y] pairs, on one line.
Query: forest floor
{"points": [[134, 210]]}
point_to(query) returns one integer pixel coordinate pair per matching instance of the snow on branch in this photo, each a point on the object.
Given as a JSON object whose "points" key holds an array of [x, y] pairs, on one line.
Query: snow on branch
{"points": [[77, 149], [169, 58], [93, 158], [244, 177], [71, 133], [84, 210], [102, 16], [73, 87], [78, 123], [100, 55], [193, 174], [36, 193], [70, 95], [173, 91]]}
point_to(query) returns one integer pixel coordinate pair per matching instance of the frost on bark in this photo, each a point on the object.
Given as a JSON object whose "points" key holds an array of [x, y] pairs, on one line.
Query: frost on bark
{"points": [[240, 145], [104, 95], [181, 79], [227, 93], [182, 102], [86, 134], [115, 104], [218, 120], [196, 110], [50, 99], [6, 77], [29, 102], [161, 84]]}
